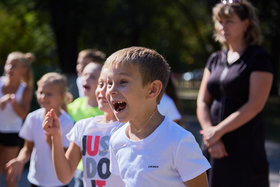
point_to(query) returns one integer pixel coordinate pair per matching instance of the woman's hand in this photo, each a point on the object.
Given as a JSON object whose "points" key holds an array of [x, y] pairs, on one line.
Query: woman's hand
{"points": [[218, 150], [211, 135]]}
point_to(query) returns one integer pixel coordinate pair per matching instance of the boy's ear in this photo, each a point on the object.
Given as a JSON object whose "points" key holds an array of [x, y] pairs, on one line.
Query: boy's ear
{"points": [[154, 89]]}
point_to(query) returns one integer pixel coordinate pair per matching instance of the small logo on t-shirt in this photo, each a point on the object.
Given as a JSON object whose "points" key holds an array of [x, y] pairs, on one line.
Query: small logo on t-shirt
{"points": [[152, 166]]}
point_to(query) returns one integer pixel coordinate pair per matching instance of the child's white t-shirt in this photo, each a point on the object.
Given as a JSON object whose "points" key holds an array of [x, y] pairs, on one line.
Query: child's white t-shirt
{"points": [[168, 157], [168, 108], [11, 122], [41, 169], [93, 139]]}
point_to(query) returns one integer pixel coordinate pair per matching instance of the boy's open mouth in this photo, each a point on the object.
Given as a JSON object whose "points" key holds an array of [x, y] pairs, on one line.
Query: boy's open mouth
{"points": [[119, 106], [86, 87]]}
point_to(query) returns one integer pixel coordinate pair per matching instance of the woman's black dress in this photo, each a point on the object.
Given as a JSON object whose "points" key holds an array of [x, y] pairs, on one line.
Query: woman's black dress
{"points": [[228, 85]]}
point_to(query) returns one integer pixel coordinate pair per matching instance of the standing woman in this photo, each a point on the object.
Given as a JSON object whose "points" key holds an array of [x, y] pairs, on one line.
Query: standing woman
{"points": [[234, 89], [15, 99]]}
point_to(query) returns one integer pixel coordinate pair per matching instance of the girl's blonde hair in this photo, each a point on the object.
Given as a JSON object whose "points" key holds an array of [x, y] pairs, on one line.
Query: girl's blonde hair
{"points": [[244, 10], [57, 79], [94, 55], [26, 59], [54, 78]]}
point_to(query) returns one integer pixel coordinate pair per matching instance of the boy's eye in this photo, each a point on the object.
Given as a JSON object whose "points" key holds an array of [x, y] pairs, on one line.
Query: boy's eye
{"points": [[123, 82], [46, 94], [100, 84], [109, 83]]}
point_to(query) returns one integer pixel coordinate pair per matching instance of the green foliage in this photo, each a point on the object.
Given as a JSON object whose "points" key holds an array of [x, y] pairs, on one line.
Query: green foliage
{"points": [[22, 28], [181, 30], [182, 33]]}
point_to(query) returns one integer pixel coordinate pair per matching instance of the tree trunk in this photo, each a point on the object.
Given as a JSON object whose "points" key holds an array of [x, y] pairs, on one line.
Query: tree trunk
{"points": [[65, 24]]}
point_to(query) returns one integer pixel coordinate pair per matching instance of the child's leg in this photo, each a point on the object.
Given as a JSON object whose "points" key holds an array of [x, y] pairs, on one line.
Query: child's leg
{"points": [[9, 150], [1, 158], [8, 154]]}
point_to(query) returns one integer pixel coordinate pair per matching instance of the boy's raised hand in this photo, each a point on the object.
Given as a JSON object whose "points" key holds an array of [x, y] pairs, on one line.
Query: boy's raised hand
{"points": [[51, 124]]}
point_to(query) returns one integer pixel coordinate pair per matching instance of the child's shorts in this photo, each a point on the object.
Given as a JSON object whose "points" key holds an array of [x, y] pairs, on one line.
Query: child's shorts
{"points": [[10, 139]]}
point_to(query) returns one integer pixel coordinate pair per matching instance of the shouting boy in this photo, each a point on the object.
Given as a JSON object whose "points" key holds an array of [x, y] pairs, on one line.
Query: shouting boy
{"points": [[150, 149]]}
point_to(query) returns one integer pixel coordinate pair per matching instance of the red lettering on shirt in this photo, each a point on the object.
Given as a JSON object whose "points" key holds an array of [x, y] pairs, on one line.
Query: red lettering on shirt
{"points": [[96, 145], [100, 183]]}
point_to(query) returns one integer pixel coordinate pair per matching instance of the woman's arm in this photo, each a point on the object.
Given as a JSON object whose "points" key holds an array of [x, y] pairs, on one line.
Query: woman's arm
{"points": [[260, 85], [22, 108], [16, 165], [204, 101]]}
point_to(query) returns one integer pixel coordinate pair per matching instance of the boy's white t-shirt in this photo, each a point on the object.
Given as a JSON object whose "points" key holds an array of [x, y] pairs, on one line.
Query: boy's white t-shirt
{"points": [[93, 139], [79, 86], [41, 169], [168, 157], [168, 108]]}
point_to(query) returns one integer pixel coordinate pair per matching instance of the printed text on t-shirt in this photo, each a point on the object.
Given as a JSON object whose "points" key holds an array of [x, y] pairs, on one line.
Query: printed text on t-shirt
{"points": [[96, 165]]}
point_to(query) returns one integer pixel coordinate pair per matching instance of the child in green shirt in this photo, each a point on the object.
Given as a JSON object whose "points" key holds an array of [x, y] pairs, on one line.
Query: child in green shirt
{"points": [[87, 106]]}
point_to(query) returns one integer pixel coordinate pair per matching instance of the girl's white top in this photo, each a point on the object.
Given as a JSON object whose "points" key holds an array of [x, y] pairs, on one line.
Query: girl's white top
{"points": [[41, 169], [10, 121]]}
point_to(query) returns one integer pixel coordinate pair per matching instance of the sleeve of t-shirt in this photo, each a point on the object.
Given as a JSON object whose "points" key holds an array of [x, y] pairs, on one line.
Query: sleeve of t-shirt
{"points": [[75, 134], [26, 129], [66, 129], [262, 62], [114, 168], [189, 159], [211, 61]]}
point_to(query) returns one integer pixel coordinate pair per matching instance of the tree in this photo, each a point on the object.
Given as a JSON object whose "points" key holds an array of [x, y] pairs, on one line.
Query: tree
{"points": [[181, 30], [24, 29]]}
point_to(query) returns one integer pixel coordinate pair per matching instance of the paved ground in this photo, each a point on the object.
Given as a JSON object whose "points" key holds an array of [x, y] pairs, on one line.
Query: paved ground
{"points": [[191, 124], [273, 153]]}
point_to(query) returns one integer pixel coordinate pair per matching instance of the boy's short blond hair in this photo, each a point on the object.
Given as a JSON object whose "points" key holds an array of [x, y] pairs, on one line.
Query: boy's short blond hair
{"points": [[54, 78], [94, 55], [152, 66]]}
